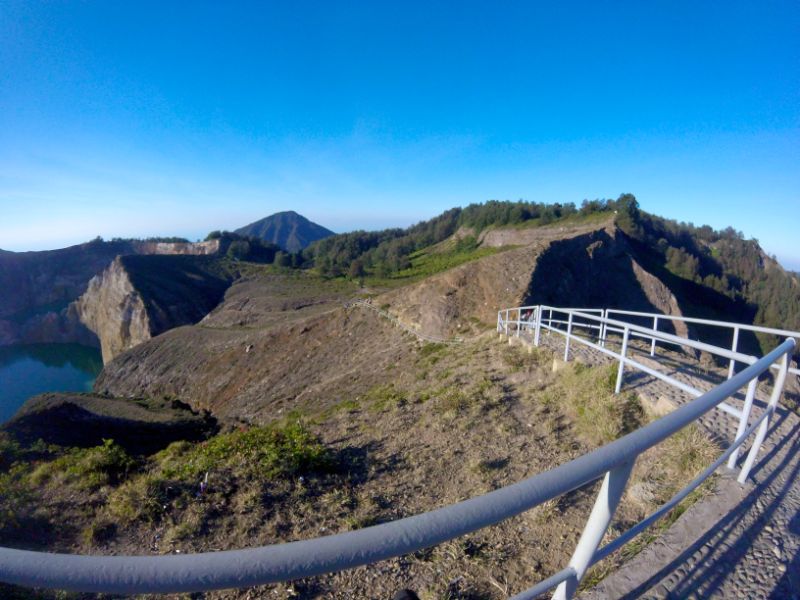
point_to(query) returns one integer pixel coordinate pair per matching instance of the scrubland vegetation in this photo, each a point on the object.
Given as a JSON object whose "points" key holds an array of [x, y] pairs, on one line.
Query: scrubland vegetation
{"points": [[464, 420], [392, 252], [434, 424], [721, 261]]}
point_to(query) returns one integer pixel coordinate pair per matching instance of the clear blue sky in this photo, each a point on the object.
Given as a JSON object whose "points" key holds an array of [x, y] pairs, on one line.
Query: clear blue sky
{"points": [[175, 118]]}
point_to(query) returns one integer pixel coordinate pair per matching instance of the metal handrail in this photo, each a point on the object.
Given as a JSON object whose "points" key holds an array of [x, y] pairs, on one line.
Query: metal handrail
{"points": [[605, 324], [726, 324], [628, 329], [736, 327], [238, 568], [654, 333]]}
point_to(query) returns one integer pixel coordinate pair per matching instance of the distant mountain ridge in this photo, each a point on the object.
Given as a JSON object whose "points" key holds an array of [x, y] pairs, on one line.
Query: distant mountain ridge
{"points": [[289, 230]]}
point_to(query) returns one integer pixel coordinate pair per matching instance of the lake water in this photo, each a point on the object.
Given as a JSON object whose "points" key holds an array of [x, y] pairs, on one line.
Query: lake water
{"points": [[37, 368]]}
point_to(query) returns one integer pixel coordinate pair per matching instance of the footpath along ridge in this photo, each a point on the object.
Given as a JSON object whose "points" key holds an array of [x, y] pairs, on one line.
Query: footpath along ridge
{"points": [[737, 542]]}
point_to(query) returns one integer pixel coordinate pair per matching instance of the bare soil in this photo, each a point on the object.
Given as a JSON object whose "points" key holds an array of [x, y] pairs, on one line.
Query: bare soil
{"points": [[451, 423], [411, 427]]}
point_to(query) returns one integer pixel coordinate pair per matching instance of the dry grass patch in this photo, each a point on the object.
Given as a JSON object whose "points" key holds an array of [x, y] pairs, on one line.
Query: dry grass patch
{"points": [[663, 470], [586, 395]]}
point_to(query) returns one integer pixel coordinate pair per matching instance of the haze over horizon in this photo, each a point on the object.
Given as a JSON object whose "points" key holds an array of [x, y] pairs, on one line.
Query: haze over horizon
{"points": [[135, 121]]}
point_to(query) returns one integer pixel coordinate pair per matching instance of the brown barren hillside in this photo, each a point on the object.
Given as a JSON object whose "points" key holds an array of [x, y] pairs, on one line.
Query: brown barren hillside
{"points": [[332, 418], [279, 341], [465, 300]]}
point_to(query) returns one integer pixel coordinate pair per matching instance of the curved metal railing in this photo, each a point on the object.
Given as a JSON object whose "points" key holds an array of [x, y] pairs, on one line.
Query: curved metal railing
{"points": [[239, 568], [735, 328], [550, 318]]}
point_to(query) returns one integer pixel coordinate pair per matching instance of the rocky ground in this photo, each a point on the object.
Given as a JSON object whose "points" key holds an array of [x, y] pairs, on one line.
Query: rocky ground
{"points": [[446, 423], [333, 419]]}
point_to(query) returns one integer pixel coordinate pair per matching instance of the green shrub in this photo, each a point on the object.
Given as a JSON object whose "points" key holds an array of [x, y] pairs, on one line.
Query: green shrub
{"points": [[515, 358], [384, 397], [486, 394], [428, 262], [453, 400], [272, 451], [16, 496], [269, 452], [87, 468], [687, 453], [9, 451], [98, 531], [191, 523], [348, 405], [429, 348]]}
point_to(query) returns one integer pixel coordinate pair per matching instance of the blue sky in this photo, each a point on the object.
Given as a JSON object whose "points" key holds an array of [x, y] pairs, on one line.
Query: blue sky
{"points": [[139, 119]]}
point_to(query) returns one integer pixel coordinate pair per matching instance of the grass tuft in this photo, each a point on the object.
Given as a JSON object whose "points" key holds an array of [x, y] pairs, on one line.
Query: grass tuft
{"points": [[271, 451], [384, 397], [277, 451], [86, 468], [586, 394]]}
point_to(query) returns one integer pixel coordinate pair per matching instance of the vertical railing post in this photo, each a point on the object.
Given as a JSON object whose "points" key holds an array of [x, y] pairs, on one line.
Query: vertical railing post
{"points": [[733, 349], [748, 405], [499, 319], [569, 331], [506, 323], [602, 513], [653, 343], [519, 320], [624, 350], [538, 325], [603, 327], [777, 390]]}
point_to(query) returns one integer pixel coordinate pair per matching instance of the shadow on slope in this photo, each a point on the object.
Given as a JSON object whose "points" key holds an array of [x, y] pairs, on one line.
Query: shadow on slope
{"points": [[600, 270], [85, 420]]}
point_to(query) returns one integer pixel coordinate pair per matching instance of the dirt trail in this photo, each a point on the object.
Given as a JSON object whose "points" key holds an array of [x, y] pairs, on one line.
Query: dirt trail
{"points": [[391, 318]]}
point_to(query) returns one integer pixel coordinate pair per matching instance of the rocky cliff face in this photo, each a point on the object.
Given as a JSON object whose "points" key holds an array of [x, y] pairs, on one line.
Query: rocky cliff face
{"points": [[138, 297], [525, 236], [36, 288], [207, 248], [62, 327], [113, 309], [600, 269], [275, 343], [660, 296], [465, 299]]}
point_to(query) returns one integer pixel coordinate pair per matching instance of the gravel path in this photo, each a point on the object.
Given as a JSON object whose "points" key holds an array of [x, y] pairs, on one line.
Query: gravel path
{"points": [[739, 541]]}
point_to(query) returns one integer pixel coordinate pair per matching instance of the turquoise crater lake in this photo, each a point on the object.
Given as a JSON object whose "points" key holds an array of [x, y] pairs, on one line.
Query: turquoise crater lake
{"points": [[27, 370]]}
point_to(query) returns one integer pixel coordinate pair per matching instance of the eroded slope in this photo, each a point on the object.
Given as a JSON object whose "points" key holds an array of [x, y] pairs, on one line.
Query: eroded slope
{"points": [[138, 297], [337, 420], [465, 300], [36, 288], [277, 340]]}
